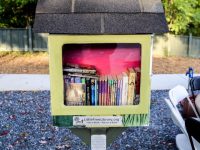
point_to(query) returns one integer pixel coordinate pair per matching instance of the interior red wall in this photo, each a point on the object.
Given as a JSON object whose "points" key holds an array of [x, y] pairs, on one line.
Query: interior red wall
{"points": [[109, 59]]}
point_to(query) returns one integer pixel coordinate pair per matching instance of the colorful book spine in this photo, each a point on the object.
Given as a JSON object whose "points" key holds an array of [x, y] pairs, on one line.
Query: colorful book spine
{"points": [[124, 88], [100, 91], [118, 92], [93, 92], [83, 80], [67, 79], [88, 91], [106, 92], [138, 74], [121, 86], [84, 95], [77, 80], [131, 85], [96, 92], [113, 92], [119, 77], [72, 80], [109, 89]]}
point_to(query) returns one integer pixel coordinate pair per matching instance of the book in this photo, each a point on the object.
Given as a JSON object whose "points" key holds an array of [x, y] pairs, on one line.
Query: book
{"points": [[119, 78], [67, 80], [131, 85], [115, 90], [82, 66], [124, 88], [100, 90], [96, 92], [137, 86], [112, 91], [72, 80], [83, 80], [80, 70], [106, 91], [120, 84], [88, 91], [75, 94], [92, 92], [109, 89], [77, 80], [103, 91], [137, 82], [83, 75]]}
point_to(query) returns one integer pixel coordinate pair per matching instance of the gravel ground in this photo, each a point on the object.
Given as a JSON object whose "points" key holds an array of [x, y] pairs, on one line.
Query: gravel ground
{"points": [[25, 123]]}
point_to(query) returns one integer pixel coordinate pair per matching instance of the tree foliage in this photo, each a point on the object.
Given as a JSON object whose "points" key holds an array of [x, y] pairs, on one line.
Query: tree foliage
{"points": [[17, 13], [183, 16]]}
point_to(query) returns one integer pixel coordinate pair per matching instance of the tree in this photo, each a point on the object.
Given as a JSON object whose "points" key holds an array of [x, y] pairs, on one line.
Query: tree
{"points": [[17, 13], [183, 16]]}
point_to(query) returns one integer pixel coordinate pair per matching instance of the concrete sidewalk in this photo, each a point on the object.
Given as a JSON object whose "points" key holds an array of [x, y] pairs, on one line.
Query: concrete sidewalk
{"points": [[25, 82]]}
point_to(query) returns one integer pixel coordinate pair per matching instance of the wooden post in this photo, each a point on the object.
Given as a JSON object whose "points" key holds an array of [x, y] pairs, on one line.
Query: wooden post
{"points": [[95, 136]]}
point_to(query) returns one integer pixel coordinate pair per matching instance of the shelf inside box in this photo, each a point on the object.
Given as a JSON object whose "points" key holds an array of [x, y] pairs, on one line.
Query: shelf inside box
{"points": [[109, 60]]}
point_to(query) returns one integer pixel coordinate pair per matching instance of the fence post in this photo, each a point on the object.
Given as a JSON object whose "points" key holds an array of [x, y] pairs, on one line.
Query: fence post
{"points": [[9, 41], [25, 39], [30, 39], [168, 45], [189, 45]]}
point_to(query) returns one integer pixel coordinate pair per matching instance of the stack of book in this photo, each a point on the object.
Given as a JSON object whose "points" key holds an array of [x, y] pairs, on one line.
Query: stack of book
{"points": [[77, 83], [83, 86]]}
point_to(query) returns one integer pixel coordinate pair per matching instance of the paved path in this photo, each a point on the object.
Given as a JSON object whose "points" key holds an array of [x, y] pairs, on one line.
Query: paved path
{"points": [[24, 82]]}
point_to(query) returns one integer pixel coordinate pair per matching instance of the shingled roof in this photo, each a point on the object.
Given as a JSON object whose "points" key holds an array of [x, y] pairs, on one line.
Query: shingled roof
{"points": [[100, 17]]}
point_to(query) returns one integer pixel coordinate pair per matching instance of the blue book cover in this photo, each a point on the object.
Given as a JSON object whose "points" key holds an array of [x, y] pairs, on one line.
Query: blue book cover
{"points": [[93, 92], [77, 80], [118, 92], [96, 92], [120, 85]]}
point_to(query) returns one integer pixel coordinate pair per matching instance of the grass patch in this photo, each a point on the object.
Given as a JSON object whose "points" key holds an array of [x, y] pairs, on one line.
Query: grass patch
{"points": [[22, 53]]}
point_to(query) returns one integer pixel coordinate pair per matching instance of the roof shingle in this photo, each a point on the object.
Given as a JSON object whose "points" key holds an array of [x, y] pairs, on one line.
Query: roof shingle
{"points": [[100, 17]]}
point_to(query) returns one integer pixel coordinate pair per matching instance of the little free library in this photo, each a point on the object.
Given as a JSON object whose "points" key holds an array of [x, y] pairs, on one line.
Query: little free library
{"points": [[100, 59]]}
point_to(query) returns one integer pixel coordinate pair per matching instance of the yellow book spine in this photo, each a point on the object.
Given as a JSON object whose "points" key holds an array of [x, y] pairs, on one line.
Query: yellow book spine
{"points": [[131, 87]]}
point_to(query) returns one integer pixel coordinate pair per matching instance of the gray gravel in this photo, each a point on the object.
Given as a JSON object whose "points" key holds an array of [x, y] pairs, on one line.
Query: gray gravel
{"points": [[25, 123]]}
